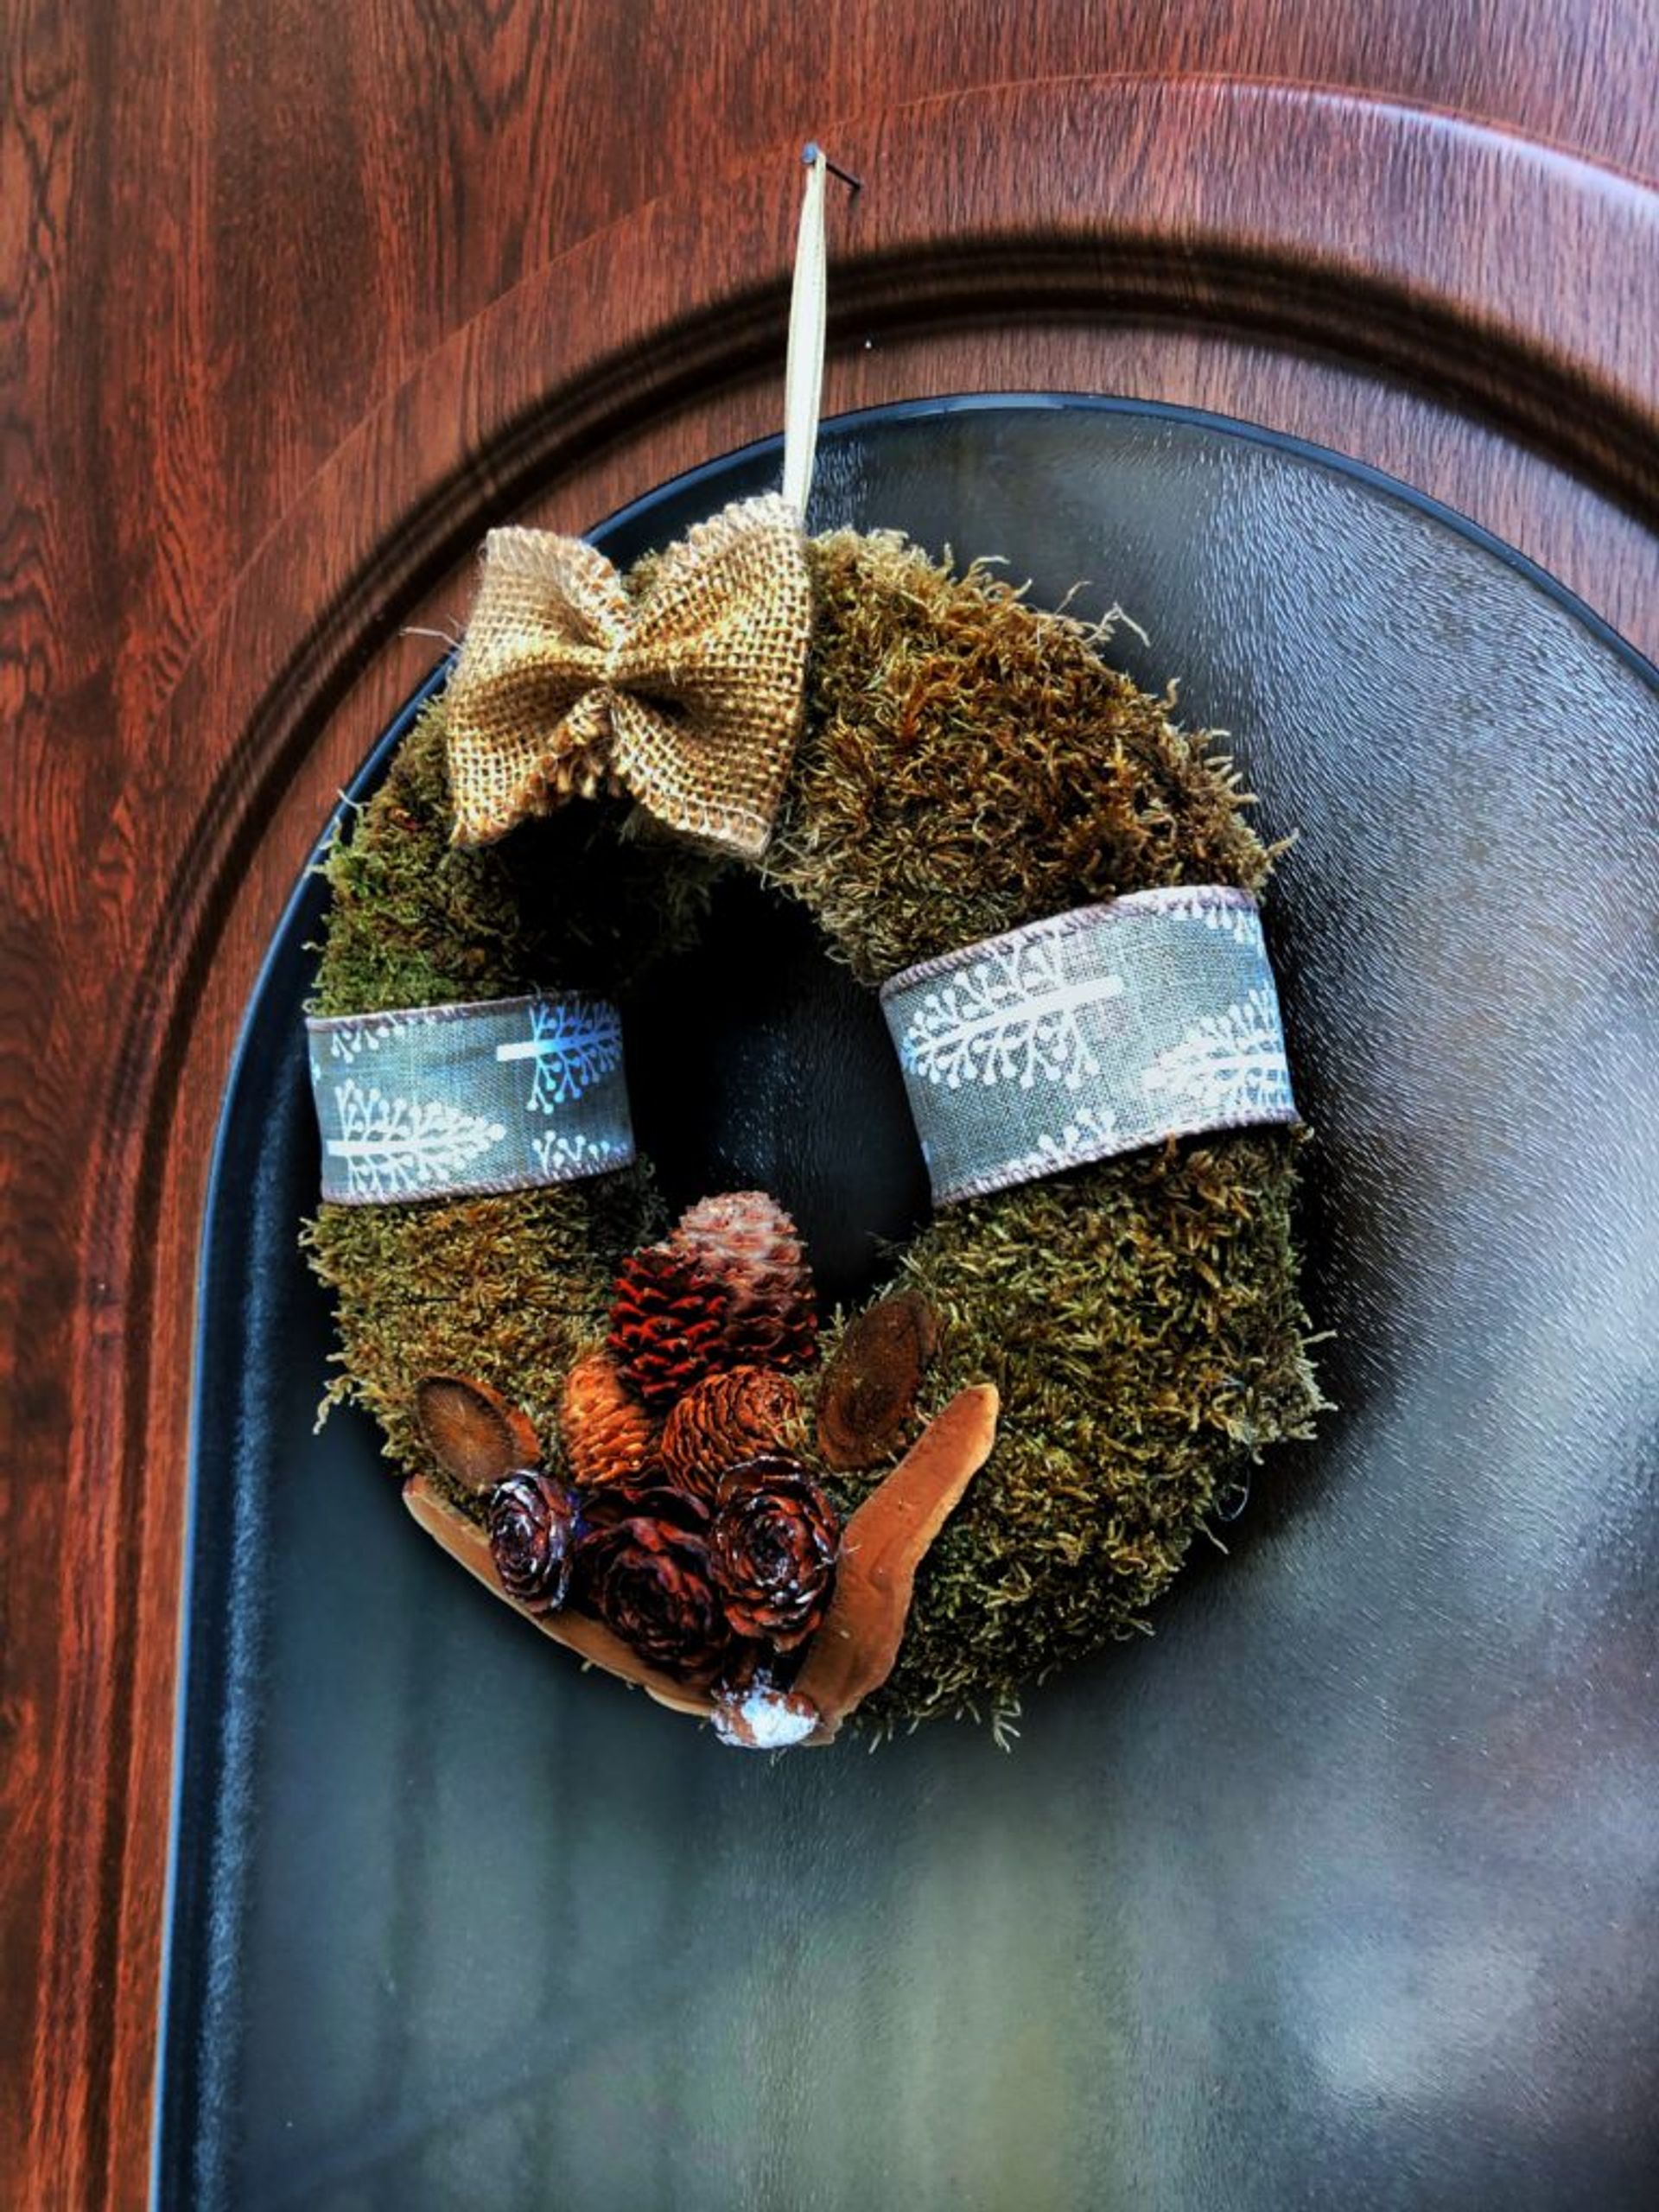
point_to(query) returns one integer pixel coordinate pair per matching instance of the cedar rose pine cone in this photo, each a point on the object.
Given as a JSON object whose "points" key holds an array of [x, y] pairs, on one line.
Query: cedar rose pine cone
{"points": [[650, 1495], [532, 1524], [649, 1581], [773, 1551]]}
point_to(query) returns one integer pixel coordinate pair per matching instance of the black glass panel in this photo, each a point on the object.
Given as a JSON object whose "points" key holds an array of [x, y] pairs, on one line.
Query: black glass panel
{"points": [[1341, 1890]]}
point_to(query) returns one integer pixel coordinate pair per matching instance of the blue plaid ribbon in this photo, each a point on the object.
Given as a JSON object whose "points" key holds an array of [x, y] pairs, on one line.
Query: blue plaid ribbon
{"points": [[442, 1101], [1093, 1033]]}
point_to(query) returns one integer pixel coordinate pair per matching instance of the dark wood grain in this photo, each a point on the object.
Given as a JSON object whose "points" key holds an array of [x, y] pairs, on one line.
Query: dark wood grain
{"points": [[294, 299]]}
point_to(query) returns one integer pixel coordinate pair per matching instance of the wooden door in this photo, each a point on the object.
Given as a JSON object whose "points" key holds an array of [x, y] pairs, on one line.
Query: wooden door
{"points": [[298, 301]]}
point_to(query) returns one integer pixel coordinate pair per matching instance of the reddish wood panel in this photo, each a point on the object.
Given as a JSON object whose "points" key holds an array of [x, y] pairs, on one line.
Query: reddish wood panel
{"points": [[295, 299]]}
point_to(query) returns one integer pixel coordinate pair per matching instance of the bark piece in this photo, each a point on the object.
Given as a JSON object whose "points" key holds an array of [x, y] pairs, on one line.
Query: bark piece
{"points": [[590, 1639], [474, 1433], [869, 1394], [881, 1548]]}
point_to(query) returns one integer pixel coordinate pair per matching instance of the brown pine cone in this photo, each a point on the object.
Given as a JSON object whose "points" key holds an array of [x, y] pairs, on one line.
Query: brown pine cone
{"points": [[749, 1244], [727, 1418], [773, 1551], [532, 1526], [607, 1434], [649, 1581], [667, 1325]]}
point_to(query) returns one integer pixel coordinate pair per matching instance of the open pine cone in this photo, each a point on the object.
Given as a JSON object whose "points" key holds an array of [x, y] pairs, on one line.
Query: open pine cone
{"points": [[668, 1325], [772, 1549], [729, 1417], [751, 1247], [649, 1581], [532, 1530], [606, 1433]]}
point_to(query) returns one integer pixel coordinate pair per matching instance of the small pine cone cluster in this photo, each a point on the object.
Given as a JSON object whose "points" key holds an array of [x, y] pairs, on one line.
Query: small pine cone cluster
{"points": [[703, 1542], [725, 1419], [608, 1436], [668, 1324], [750, 1246]]}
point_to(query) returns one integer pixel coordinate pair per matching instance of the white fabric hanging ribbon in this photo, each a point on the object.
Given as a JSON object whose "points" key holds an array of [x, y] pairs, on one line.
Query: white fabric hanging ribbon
{"points": [[808, 311]]}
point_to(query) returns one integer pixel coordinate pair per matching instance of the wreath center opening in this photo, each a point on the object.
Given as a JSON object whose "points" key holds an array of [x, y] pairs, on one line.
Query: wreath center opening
{"points": [[756, 1061]]}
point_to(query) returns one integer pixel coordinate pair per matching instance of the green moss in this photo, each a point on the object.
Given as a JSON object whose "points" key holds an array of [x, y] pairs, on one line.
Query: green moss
{"points": [[1141, 1320], [584, 900], [968, 764], [507, 1288]]}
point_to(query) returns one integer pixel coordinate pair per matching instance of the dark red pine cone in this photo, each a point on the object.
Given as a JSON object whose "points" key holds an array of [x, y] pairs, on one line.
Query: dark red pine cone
{"points": [[649, 1581], [532, 1525], [773, 1550], [667, 1324]]}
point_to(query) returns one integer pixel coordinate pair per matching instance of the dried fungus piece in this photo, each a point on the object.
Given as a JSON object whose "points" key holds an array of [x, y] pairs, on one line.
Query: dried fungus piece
{"points": [[475, 1434], [869, 1394], [591, 1641], [882, 1546]]}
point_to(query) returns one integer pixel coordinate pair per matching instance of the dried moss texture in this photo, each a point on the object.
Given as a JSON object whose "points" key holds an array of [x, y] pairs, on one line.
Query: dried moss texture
{"points": [[968, 764], [507, 1288], [1140, 1319]]}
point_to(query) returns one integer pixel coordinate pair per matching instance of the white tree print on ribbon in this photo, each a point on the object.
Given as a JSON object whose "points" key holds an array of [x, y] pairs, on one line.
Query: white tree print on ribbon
{"points": [[574, 1045], [397, 1147], [1241, 922], [1231, 1065], [561, 1157], [348, 1039], [1012, 1017]]}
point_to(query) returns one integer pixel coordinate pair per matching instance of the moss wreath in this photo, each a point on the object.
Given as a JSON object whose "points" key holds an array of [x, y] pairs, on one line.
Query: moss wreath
{"points": [[967, 763]]}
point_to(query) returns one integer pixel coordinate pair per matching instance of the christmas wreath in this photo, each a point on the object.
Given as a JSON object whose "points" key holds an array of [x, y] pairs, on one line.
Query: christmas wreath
{"points": [[644, 1434]]}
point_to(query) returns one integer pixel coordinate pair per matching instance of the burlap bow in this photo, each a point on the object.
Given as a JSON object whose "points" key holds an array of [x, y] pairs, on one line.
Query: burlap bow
{"points": [[688, 695]]}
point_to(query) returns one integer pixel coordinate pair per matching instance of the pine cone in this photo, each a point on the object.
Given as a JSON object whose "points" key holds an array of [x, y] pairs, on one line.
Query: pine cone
{"points": [[532, 1524], [649, 1581], [737, 1415], [773, 1551], [607, 1434], [748, 1243], [667, 1325]]}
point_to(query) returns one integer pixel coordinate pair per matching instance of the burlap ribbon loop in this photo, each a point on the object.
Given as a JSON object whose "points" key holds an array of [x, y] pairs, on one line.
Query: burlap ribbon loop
{"points": [[688, 696]]}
